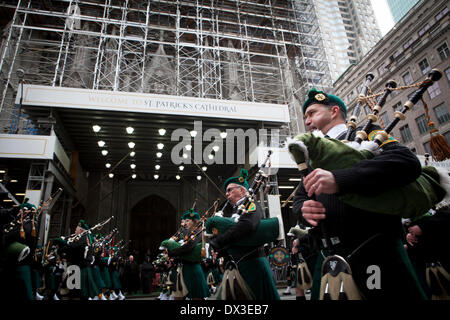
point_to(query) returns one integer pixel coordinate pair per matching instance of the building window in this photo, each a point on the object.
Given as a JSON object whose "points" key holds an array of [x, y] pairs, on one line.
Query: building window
{"points": [[447, 137], [422, 124], [385, 119], [443, 51], [424, 29], [407, 79], [396, 54], [408, 43], [397, 106], [406, 134], [381, 70], [441, 14], [424, 66], [441, 113], [434, 90]]}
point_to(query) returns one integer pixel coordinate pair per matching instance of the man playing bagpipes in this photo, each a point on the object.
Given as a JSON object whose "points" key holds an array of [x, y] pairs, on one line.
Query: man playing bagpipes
{"points": [[301, 255], [19, 239], [428, 246], [375, 264], [189, 271], [250, 261], [113, 268], [96, 266], [79, 252]]}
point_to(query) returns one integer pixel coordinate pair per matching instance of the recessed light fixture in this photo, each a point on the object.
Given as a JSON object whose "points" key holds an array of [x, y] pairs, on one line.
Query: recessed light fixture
{"points": [[204, 168], [132, 154], [210, 157], [108, 165], [156, 176], [14, 180], [181, 168], [101, 143], [185, 155], [295, 179], [285, 187], [178, 177], [111, 175], [130, 130], [134, 176], [132, 166], [157, 167], [216, 148], [131, 144], [96, 128], [188, 147], [104, 152], [159, 154], [199, 178], [193, 133], [160, 146], [223, 135], [162, 132]]}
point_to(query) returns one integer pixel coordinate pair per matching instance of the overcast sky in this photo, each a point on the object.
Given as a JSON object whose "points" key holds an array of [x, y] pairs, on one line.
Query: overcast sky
{"points": [[383, 15]]}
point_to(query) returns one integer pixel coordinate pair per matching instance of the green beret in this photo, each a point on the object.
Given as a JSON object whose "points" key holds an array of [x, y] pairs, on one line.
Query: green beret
{"points": [[26, 205], [98, 236], [190, 214], [241, 179], [320, 97], [83, 224], [60, 241]]}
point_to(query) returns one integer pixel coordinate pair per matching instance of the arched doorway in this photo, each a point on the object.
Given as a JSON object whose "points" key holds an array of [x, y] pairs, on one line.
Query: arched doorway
{"points": [[153, 219]]}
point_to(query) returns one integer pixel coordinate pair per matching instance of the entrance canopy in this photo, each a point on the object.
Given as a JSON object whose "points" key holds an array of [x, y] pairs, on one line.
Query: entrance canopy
{"points": [[160, 130]]}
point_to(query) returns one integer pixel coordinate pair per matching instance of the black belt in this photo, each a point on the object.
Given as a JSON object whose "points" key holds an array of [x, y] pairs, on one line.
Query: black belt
{"points": [[256, 253]]}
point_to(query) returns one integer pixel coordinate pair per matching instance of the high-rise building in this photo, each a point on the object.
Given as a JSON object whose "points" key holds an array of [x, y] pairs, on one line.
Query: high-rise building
{"points": [[349, 31], [400, 7], [407, 54]]}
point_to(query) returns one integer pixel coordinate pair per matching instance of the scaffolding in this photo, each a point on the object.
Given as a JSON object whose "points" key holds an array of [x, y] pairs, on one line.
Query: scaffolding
{"points": [[267, 51]]}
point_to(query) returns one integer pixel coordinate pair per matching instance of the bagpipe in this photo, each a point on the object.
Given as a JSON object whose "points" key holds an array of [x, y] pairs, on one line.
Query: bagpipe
{"points": [[180, 235], [268, 230], [102, 242], [351, 124], [412, 200], [120, 246], [194, 256], [76, 237], [28, 213], [198, 251], [14, 233]]}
